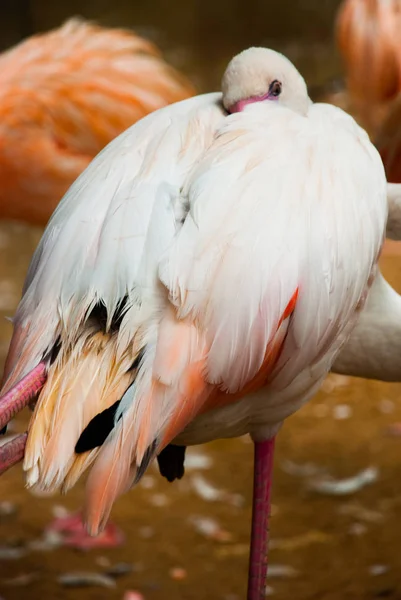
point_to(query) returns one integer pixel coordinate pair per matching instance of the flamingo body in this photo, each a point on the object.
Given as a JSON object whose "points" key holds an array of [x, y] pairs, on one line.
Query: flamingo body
{"points": [[197, 281], [164, 260], [374, 346]]}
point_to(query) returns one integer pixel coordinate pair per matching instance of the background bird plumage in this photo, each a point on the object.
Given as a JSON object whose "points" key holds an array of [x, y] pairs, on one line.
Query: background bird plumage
{"points": [[65, 95]]}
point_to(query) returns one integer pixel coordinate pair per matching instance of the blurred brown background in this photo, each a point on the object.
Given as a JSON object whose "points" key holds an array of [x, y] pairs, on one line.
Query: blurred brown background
{"points": [[199, 36]]}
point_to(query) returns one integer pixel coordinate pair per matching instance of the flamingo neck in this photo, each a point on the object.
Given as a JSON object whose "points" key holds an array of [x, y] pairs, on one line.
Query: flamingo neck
{"points": [[373, 350]]}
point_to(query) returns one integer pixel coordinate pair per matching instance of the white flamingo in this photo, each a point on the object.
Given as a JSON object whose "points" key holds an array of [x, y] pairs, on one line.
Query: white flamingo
{"points": [[196, 282], [372, 352]]}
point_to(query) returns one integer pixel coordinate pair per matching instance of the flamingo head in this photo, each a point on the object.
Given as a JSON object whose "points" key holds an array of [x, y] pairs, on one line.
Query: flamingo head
{"points": [[260, 74]]}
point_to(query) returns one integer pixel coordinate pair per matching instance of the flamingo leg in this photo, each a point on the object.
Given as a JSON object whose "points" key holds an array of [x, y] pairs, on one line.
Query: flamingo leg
{"points": [[263, 469], [13, 402], [12, 452]]}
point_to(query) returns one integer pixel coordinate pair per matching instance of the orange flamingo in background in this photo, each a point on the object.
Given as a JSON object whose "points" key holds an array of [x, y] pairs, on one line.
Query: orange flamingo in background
{"points": [[187, 288], [367, 34], [65, 95]]}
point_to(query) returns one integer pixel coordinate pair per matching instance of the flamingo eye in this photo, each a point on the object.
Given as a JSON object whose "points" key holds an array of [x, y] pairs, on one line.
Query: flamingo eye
{"points": [[275, 88]]}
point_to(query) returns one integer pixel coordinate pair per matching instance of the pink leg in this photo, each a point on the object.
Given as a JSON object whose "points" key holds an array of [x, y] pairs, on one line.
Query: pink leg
{"points": [[263, 469], [13, 402], [20, 395], [12, 452]]}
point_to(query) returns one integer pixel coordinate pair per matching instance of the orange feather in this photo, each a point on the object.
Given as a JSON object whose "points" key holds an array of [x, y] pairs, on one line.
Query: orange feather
{"points": [[367, 36], [165, 408]]}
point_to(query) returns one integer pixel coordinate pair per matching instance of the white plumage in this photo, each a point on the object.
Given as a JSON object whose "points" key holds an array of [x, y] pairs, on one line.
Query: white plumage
{"points": [[239, 248]]}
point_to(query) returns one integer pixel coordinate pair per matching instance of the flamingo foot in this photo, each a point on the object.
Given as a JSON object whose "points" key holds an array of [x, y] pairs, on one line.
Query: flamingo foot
{"points": [[263, 470], [75, 535], [12, 403]]}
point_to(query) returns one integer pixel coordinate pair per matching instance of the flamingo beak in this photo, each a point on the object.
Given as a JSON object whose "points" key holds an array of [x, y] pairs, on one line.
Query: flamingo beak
{"points": [[11, 403]]}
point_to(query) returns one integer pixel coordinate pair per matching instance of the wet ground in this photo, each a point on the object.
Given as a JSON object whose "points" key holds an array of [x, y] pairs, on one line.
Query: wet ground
{"points": [[190, 540]]}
